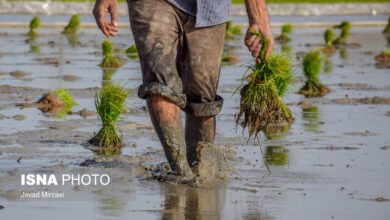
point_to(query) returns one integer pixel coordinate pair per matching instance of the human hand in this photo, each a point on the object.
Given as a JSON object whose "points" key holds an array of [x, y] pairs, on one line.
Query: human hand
{"points": [[253, 42], [99, 12]]}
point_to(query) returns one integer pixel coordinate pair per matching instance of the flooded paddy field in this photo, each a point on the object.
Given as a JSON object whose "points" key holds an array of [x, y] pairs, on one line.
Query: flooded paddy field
{"points": [[332, 162]]}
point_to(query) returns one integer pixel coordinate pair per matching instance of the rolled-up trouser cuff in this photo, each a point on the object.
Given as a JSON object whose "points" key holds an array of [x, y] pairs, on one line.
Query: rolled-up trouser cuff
{"points": [[157, 88], [207, 109]]}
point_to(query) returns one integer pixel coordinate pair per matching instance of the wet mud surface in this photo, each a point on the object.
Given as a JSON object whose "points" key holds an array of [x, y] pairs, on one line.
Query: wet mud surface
{"points": [[331, 162]]}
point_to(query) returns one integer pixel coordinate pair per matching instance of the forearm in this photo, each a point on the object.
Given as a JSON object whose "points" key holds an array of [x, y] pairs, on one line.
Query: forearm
{"points": [[257, 12]]}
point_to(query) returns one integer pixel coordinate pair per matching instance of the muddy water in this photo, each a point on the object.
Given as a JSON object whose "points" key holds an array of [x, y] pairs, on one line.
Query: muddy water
{"points": [[330, 163]]}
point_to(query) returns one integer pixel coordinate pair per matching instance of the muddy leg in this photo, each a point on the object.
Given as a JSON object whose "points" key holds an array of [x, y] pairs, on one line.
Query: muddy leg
{"points": [[198, 129], [167, 122]]}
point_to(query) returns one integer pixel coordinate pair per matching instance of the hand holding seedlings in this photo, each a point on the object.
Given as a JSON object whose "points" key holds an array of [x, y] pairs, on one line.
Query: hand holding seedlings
{"points": [[99, 11], [261, 102], [258, 23]]}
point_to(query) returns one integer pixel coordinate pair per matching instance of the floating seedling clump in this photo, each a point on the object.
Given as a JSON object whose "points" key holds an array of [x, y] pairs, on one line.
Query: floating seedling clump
{"points": [[109, 60], [232, 30], [56, 103], [73, 25], [132, 52], [384, 56], [109, 103], [34, 24], [284, 36], [261, 102], [312, 63], [329, 48]]}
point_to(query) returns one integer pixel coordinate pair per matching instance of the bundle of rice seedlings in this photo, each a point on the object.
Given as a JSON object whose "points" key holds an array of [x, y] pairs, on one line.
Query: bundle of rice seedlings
{"points": [[261, 102], [342, 39], [34, 24], [311, 68], [109, 103], [132, 52], [57, 103], [73, 25], [109, 60], [329, 48], [384, 56], [387, 28], [286, 30], [232, 30]]}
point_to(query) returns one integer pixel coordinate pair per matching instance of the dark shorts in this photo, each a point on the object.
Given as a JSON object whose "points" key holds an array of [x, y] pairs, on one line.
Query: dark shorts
{"points": [[178, 61]]}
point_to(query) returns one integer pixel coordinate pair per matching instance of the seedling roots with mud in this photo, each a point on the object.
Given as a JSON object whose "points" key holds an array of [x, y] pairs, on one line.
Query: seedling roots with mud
{"points": [[312, 63], [384, 56], [261, 102], [109, 103]]}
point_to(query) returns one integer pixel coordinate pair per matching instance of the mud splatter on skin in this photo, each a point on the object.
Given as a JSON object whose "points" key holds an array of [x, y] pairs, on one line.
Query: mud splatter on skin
{"points": [[167, 124], [198, 129]]}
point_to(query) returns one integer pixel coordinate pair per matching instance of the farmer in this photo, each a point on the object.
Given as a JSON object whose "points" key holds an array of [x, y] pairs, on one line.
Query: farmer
{"points": [[180, 45]]}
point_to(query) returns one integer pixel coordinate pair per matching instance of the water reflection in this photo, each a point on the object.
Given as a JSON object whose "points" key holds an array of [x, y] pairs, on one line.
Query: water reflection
{"points": [[276, 155], [73, 39], [276, 131], [328, 65], [311, 119], [111, 205], [344, 54], [35, 48], [108, 73], [184, 202], [286, 48]]}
